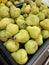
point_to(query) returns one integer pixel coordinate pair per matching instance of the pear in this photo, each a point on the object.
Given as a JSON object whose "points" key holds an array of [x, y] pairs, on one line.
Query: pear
{"points": [[25, 15], [8, 3], [39, 40], [43, 7], [35, 10], [34, 31], [23, 8], [20, 56], [31, 3], [3, 36], [15, 12], [11, 45], [32, 20], [4, 10], [45, 34], [21, 23], [5, 22], [31, 47], [21, 17], [12, 29], [22, 36], [45, 24], [38, 2], [27, 9], [45, 11], [41, 16]]}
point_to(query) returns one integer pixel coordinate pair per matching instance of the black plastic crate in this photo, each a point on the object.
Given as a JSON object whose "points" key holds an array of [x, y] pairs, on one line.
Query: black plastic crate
{"points": [[8, 59]]}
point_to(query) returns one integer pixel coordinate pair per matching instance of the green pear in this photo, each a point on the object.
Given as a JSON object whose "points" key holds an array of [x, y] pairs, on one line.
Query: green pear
{"points": [[31, 3], [11, 45], [21, 17], [23, 8], [41, 16], [3, 35], [43, 7], [27, 9], [25, 15], [34, 31], [38, 2], [35, 10], [8, 3], [4, 10], [5, 22], [31, 47], [12, 29], [39, 40], [22, 36], [15, 12], [21, 23], [45, 24], [20, 56], [45, 34], [32, 20]]}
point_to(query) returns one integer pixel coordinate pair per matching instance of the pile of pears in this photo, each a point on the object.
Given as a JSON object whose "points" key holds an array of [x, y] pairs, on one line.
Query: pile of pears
{"points": [[9, 2], [22, 30]]}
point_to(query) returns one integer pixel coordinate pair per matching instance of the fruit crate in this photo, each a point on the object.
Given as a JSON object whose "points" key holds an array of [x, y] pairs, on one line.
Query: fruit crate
{"points": [[37, 59]]}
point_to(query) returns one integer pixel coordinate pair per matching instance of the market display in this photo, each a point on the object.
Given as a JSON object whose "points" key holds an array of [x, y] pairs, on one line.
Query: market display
{"points": [[22, 30]]}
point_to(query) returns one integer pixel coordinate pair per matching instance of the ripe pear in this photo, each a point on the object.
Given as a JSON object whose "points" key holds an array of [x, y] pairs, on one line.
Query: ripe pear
{"points": [[21, 23], [22, 36], [12, 29], [21, 17], [38, 2], [4, 10], [3, 35], [31, 47], [35, 10], [43, 7], [15, 12], [31, 3], [34, 31], [20, 56], [39, 40], [45, 34], [41, 16], [11, 45], [32, 20], [23, 8], [27, 9], [5, 22], [45, 24], [8, 3]]}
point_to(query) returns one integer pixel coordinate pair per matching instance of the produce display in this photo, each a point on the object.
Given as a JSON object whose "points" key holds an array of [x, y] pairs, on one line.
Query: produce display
{"points": [[11, 1], [23, 30]]}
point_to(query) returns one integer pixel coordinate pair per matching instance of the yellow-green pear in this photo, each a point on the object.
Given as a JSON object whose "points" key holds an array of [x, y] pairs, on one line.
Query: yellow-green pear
{"points": [[31, 47], [20, 56]]}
